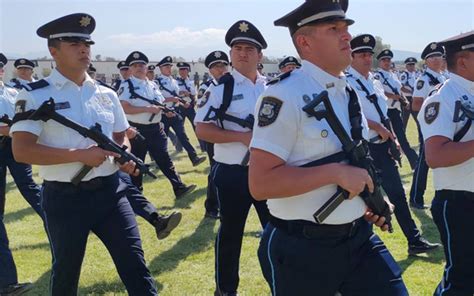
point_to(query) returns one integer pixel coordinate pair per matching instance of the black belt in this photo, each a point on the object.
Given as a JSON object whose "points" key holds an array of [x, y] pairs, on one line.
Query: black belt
{"points": [[139, 125], [91, 185], [455, 194], [312, 230], [234, 166]]}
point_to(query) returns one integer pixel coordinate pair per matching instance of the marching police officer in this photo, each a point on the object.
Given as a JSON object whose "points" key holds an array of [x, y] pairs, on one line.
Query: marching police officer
{"points": [[446, 123], [288, 64], [426, 83], [170, 90], [146, 118], [217, 63], [150, 74], [297, 255], [97, 203], [187, 91], [22, 176], [236, 95], [392, 89], [124, 73], [408, 79], [374, 107], [24, 70]]}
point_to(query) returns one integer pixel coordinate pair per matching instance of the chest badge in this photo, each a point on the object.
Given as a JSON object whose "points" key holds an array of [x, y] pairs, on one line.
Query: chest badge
{"points": [[324, 133]]}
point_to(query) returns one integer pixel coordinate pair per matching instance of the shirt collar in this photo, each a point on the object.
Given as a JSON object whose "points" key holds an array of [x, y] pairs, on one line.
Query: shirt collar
{"points": [[326, 80], [59, 81], [385, 72], [239, 78], [138, 80], [356, 74], [435, 74], [467, 85]]}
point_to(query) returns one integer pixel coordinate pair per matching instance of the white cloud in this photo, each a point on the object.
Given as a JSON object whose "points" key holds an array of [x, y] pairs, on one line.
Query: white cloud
{"points": [[179, 37]]}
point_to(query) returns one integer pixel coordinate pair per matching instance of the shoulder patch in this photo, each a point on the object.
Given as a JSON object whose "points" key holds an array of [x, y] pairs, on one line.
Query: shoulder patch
{"points": [[377, 75], [269, 110], [420, 84], [204, 99], [279, 78], [20, 106], [431, 112], [37, 85]]}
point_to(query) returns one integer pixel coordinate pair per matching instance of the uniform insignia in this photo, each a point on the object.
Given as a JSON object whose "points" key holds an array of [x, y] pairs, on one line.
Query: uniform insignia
{"points": [[330, 85], [420, 84], [22, 61], [136, 55], [217, 54], [324, 133], [269, 110], [306, 99], [431, 112], [290, 58], [366, 39], [279, 78], [168, 59], [204, 99], [238, 97], [120, 91], [200, 93], [62, 105], [243, 27], [385, 52], [85, 21], [20, 106], [433, 46]]}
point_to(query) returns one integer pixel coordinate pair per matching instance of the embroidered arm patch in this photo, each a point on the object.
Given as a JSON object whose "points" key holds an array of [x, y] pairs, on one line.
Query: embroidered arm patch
{"points": [[269, 110], [431, 112], [420, 84]]}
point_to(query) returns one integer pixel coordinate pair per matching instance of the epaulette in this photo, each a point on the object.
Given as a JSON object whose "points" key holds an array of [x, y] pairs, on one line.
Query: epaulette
{"points": [[225, 78], [279, 78], [37, 85]]}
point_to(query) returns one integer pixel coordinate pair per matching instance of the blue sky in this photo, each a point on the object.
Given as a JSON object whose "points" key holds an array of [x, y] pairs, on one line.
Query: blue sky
{"points": [[194, 28]]}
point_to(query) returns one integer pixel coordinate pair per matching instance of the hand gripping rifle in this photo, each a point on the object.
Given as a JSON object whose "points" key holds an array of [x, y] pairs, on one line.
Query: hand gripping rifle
{"points": [[5, 119], [216, 114], [47, 111], [358, 155]]}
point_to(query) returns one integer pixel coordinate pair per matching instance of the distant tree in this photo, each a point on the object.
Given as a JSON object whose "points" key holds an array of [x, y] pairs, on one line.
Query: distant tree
{"points": [[98, 57], [110, 59], [379, 46]]}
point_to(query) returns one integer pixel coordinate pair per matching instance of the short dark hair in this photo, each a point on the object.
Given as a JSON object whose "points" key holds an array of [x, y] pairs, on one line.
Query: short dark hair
{"points": [[54, 43]]}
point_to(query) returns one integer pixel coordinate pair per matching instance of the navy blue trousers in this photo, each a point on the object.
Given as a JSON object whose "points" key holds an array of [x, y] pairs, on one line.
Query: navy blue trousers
{"points": [[302, 264], [235, 200], [140, 205], [23, 177], [420, 177], [453, 213], [211, 203], [72, 212], [177, 124], [399, 130], [156, 143], [393, 187]]}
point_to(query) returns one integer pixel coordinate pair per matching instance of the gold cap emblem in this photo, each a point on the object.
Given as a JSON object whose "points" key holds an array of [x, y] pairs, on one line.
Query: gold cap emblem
{"points": [[433, 46], [217, 54], [243, 27], [22, 61], [366, 39], [85, 21], [136, 55]]}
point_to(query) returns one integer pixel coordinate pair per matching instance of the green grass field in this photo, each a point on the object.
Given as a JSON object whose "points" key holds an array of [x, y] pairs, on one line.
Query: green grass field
{"points": [[183, 264]]}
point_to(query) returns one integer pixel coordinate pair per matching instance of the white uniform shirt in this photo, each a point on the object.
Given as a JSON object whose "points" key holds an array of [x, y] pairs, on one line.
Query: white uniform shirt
{"points": [[87, 105], [244, 98], [387, 78], [7, 101], [408, 80], [437, 119], [168, 88], [186, 85], [204, 86], [424, 86], [298, 139], [145, 88], [22, 82], [369, 110]]}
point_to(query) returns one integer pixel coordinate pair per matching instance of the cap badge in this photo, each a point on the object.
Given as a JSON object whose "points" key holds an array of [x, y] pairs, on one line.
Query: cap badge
{"points": [[22, 61], [243, 27], [366, 39], [433, 46], [291, 59], [136, 55], [217, 54], [85, 21], [385, 52]]}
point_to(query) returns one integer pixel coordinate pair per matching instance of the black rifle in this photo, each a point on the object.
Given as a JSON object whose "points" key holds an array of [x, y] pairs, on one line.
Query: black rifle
{"points": [[214, 114], [403, 101], [358, 154], [165, 108], [47, 111], [5, 119], [393, 149]]}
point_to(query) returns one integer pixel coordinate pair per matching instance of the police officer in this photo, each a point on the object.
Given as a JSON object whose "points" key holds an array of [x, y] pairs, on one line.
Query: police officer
{"points": [[124, 73], [150, 73], [288, 64], [217, 63], [24, 71], [98, 203], [187, 91], [22, 175], [374, 107], [297, 255], [170, 90], [426, 83], [392, 89], [408, 79], [146, 118], [236, 95], [448, 133]]}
